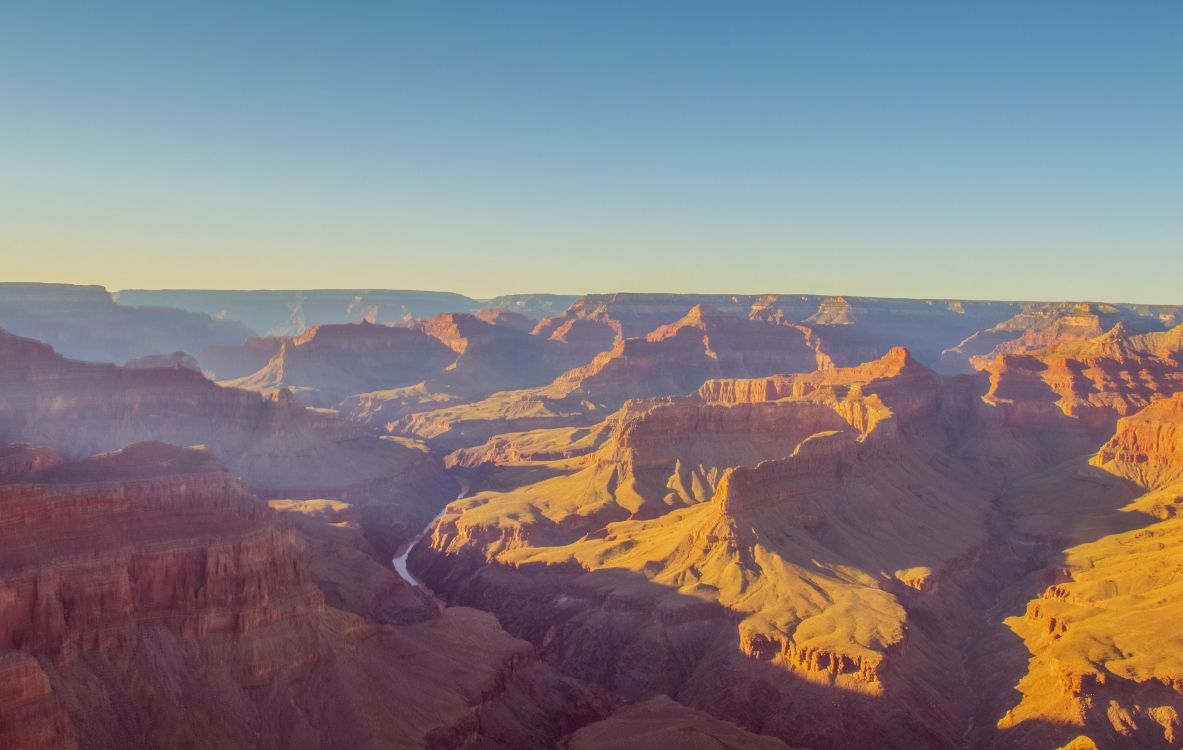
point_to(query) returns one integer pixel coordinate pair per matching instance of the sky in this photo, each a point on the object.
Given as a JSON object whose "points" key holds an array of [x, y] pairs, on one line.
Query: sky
{"points": [[1002, 150]]}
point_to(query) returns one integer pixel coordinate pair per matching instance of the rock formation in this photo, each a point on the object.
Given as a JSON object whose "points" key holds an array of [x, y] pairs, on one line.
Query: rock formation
{"points": [[1095, 380], [1040, 326], [148, 600], [375, 374], [831, 522], [289, 312], [1104, 644], [84, 322], [795, 515], [673, 359], [325, 365], [279, 447]]}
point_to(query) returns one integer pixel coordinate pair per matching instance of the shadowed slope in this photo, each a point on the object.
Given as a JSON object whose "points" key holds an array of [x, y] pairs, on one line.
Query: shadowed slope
{"points": [[279, 447], [1103, 637], [148, 600], [672, 359], [788, 518]]}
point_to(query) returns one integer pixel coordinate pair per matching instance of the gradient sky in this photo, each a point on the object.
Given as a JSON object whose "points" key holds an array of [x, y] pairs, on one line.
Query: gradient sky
{"points": [[1018, 150]]}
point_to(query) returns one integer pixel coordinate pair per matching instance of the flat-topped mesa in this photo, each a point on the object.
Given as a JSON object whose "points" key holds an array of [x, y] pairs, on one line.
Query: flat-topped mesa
{"points": [[85, 322], [704, 432], [897, 364], [328, 363], [508, 318], [455, 330], [833, 311], [1147, 448], [361, 337], [867, 396]]}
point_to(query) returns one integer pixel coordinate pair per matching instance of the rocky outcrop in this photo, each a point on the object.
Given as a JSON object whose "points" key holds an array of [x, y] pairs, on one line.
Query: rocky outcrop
{"points": [[488, 355], [788, 530], [148, 600], [31, 716], [84, 322], [1103, 652], [507, 318], [1147, 448], [150, 532], [1094, 381], [1044, 325], [1104, 647], [326, 364], [673, 359], [279, 447], [678, 357], [844, 330]]}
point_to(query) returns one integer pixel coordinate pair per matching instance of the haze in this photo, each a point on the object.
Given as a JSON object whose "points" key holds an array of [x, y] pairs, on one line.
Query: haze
{"points": [[1015, 151]]}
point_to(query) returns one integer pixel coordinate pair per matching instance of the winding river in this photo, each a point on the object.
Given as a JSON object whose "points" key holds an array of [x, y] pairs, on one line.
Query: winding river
{"points": [[400, 560]]}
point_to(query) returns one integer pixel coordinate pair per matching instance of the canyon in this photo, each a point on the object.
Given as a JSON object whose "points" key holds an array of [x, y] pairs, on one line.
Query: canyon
{"points": [[638, 520]]}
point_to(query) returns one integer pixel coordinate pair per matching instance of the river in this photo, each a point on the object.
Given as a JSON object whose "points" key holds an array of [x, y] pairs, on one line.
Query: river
{"points": [[400, 560]]}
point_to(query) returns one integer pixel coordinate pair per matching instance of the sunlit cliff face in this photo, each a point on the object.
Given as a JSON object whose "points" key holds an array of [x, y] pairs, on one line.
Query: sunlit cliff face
{"points": [[767, 521]]}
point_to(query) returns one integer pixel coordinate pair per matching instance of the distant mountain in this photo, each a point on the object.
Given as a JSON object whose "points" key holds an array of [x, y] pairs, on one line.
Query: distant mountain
{"points": [[84, 322], [275, 444], [288, 312]]}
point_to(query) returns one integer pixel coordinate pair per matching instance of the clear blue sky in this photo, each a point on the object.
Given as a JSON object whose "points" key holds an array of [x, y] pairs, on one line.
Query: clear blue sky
{"points": [[989, 150]]}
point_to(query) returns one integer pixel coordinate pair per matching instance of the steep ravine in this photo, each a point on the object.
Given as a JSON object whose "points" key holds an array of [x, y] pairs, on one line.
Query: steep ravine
{"points": [[400, 559], [1000, 583], [968, 603]]}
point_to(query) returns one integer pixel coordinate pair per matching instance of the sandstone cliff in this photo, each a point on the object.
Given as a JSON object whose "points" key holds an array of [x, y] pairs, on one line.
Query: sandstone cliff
{"points": [[771, 530], [148, 600], [1095, 380], [673, 359], [1043, 325], [279, 447]]}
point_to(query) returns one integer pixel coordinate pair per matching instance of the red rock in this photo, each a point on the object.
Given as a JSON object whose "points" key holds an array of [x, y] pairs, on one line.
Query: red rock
{"points": [[148, 600], [279, 447]]}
